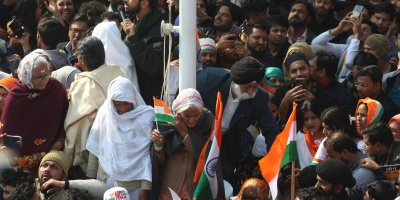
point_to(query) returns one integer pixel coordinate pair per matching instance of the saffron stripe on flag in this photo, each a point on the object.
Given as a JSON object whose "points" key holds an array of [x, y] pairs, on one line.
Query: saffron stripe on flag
{"points": [[161, 112], [282, 151]]}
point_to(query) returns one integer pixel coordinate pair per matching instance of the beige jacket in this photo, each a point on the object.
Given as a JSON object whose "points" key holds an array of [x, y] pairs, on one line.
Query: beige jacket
{"points": [[87, 93]]}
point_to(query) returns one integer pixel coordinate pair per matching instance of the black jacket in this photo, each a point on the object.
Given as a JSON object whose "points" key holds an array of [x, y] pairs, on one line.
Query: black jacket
{"points": [[147, 52]]}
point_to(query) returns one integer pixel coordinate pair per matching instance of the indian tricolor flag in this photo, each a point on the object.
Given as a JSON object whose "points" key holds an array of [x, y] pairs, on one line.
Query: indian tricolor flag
{"points": [[162, 113], [282, 151], [205, 175]]}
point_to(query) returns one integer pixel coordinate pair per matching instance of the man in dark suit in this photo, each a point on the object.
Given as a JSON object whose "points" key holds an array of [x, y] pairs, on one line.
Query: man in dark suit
{"points": [[244, 103]]}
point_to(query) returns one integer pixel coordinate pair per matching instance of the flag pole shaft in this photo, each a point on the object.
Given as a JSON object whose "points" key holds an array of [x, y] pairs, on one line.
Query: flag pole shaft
{"points": [[292, 184]]}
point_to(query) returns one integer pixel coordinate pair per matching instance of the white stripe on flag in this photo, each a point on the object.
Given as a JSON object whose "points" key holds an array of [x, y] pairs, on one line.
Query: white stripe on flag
{"points": [[273, 185], [292, 133], [159, 109], [211, 164]]}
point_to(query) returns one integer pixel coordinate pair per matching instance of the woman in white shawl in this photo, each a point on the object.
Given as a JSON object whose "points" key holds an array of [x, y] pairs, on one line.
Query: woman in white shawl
{"points": [[116, 50], [120, 139]]}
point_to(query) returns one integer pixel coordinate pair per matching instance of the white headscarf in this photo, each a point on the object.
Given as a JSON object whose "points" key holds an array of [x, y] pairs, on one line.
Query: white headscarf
{"points": [[116, 50], [122, 142]]}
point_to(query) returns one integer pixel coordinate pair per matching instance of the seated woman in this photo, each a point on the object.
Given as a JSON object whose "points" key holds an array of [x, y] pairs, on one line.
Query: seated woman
{"points": [[120, 139], [310, 133], [253, 188], [177, 147], [35, 109], [368, 112], [334, 120]]}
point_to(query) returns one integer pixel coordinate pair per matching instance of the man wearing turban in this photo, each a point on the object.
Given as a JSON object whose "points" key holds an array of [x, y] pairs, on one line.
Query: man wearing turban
{"points": [[244, 102]]}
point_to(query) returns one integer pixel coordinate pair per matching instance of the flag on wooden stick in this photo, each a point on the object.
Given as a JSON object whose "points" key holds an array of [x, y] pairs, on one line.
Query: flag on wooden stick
{"points": [[282, 151]]}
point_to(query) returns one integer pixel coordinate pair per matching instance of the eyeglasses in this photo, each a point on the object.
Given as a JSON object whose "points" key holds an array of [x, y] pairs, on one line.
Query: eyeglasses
{"points": [[42, 77], [385, 21], [79, 31], [360, 84]]}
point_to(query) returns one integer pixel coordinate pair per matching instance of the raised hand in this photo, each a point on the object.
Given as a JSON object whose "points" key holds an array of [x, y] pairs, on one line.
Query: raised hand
{"points": [[391, 30], [226, 41], [295, 94], [180, 125], [129, 27], [54, 186], [356, 26], [52, 7]]}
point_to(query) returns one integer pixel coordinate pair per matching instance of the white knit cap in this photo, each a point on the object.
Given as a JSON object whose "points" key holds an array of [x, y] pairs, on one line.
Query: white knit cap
{"points": [[116, 193], [207, 44]]}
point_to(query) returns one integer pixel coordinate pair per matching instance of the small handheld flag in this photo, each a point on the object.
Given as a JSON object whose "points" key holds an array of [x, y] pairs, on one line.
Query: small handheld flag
{"points": [[162, 113]]}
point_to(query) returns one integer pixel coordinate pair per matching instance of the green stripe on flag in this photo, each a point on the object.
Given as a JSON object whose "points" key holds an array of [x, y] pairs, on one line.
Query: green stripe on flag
{"points": [[203, 190], [164, 118], [290, 154]]}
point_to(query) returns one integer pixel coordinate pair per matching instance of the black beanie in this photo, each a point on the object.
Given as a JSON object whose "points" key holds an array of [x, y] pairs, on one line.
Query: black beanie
{"points": [[307, 177], [293, 58], [336, 172], [247, 70]]}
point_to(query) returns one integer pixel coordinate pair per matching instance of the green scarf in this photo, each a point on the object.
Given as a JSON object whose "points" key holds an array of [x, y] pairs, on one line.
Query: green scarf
{"points": [[143, 25], [272, 71]]}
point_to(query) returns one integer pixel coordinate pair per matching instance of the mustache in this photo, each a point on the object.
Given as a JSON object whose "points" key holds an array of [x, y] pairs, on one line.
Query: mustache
{"points": [[295, 17]]}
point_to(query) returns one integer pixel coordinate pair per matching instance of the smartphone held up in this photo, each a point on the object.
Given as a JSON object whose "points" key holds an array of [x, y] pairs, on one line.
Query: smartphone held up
{"points": [[301, 81], [12, 141], [357, 11], [16, 28]]}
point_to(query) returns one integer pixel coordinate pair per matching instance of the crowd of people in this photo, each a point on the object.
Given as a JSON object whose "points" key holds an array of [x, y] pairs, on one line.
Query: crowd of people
{"points": [[78, 79]]}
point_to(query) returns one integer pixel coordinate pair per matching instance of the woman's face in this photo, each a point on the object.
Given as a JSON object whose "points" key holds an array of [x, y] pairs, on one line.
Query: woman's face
{"points": [[395, 130], [191, 116], [66, 8], [40, 76], [201, 4], [361, 117], [122, 106], [276, 80], [327, 130], [312, 122]]}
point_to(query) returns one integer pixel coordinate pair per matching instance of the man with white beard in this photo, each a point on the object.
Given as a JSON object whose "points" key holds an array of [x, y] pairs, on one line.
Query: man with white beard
{"points": [[245, 102]]}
